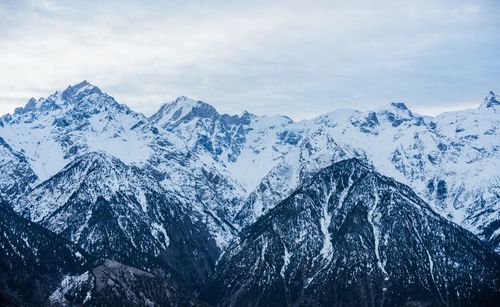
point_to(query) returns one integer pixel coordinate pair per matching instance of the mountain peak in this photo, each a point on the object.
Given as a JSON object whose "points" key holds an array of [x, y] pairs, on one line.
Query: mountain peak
{"points": [[396, 107], [185, 99], [189, 103], [400, 105], [100, 161], [491, 100], [183, 108], [31, 101], [30, 106], [396, 113], [72, 93], [80, 90]]}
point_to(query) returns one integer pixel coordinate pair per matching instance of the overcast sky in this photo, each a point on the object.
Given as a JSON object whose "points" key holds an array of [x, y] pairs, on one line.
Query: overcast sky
{"points": [[299, 58]]}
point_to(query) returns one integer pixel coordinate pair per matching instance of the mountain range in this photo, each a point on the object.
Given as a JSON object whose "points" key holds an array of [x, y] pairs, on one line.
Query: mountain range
{"points": [[193, 207]]}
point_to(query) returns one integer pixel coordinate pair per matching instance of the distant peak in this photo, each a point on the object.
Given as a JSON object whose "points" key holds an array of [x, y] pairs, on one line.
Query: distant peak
{"points": [[82, 84], [400, 105], [184, 102], [490, 100], [185, 99], [82, 87], [248, 115], [396, 108], [31, 105], [183, 108]]}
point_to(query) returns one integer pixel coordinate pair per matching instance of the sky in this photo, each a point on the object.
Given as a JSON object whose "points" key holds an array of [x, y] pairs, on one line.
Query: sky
{"points": [[298, 58]]}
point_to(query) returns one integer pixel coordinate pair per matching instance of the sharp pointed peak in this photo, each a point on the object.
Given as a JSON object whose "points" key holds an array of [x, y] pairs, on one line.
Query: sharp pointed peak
{"points": [[183, 107], [394, 106], [185, 99], [491, 100], [396, 112], [399, 105], [81, 88], [181, 101], [81, 84], [247, 114]]}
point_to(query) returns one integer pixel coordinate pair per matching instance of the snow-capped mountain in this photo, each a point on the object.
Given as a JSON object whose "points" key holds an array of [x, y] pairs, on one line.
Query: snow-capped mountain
{"points": [[450, 160], [164, 201], [52, 132], [120, 212], [238, 144], [220, 136], [357, 238]]}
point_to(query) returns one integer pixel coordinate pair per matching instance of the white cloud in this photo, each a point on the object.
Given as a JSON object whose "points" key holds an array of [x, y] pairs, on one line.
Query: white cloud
{"points": [[266, 58]]}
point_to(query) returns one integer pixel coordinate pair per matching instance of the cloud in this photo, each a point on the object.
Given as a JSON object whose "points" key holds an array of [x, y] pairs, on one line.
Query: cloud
{"points": [[281, 57]]}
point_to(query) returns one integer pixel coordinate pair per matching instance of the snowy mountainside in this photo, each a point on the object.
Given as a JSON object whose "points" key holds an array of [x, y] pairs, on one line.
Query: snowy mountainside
{"points": [[450, 160], [120, 212], [16, 176], [456, 174], [225, 139], [235, 168], [204, 129], [52, 132], [339, 238]]}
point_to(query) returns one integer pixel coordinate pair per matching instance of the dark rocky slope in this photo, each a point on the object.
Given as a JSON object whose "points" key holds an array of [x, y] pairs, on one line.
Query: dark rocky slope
{"points": [[33, 260], [352, 237]]}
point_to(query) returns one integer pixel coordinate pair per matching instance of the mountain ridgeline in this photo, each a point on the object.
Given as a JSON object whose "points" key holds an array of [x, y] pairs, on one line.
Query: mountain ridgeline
{"points": [[103, 206]]}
